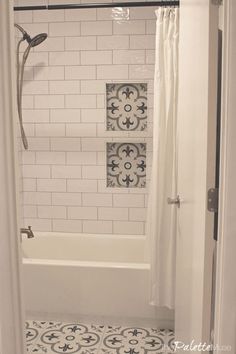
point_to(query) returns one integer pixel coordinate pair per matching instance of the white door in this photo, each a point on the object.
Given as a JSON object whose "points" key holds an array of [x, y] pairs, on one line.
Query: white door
{"points": [[225, 319], [196, 163]]}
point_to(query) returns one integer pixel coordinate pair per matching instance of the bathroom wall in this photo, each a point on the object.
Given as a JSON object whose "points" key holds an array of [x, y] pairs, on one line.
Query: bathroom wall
{"points": [[64, 170]]}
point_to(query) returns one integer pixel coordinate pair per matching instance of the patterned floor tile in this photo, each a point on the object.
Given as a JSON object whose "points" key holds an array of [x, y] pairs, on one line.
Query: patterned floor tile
{"points": [[75, 338], [67, 338], [33, 330], [132, 340]]}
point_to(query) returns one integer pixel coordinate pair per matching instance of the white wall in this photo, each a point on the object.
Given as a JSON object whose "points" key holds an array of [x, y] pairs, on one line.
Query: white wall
{"points": [[64, 113]]}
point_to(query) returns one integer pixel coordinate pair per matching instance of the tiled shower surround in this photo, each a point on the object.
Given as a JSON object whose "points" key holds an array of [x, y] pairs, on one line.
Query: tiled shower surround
{"points": [[65, 118]]}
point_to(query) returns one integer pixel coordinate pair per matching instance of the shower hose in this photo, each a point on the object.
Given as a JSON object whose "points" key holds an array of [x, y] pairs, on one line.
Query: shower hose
{"points": [[20, 78]]}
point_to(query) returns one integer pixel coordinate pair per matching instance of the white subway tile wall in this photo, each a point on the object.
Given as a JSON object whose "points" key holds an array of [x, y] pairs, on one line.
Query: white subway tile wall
{"points": [[64, 170]]}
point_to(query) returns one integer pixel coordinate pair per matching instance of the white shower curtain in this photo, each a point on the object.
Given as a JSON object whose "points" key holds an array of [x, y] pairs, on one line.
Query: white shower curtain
{"points": [[161, 225]]}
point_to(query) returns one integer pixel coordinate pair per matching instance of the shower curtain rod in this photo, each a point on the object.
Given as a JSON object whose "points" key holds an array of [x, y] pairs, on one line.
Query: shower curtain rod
{"points": [[96, 5]]}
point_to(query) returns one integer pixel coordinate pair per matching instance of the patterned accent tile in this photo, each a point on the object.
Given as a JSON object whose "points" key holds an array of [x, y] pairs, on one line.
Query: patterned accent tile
{"points": [[126, 106], [126, 165], [76, 338], [33, 330], [69, 338], [123, 340]]}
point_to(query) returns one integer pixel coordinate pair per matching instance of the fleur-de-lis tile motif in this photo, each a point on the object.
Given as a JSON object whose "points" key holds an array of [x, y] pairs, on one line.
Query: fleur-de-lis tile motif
{"points": [[76, 338], [127, 106], [69, 338], [126, 165], [33, 332], [133, 341]]}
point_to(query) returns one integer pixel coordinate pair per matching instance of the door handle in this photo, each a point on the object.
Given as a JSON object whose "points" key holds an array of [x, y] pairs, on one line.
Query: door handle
{"points": [[175, 201]]}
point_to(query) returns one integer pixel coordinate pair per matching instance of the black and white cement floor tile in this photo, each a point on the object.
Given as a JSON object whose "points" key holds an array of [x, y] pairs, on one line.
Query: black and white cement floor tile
{"points": [[134, 340], [33, 330], [75, 338], [57, 337]]}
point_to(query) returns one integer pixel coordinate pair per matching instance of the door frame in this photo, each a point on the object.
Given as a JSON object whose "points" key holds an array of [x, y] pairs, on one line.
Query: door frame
{"points": [[11, 314], [198, 58], [225, 323]]}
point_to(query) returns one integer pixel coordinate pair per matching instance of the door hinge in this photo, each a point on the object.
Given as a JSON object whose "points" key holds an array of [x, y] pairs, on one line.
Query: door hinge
{"points": [[217, 2], [212, 200]]}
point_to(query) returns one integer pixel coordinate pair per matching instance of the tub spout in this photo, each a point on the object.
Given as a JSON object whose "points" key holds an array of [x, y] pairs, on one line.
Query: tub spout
{"points": [[28, 231]]}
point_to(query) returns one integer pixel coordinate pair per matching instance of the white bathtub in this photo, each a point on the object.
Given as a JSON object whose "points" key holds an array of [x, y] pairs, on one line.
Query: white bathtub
{"points": [[103, 277]]}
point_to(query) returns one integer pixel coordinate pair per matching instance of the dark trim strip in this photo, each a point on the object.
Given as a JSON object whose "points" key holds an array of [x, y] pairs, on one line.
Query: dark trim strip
{"points": [[96, 6]]}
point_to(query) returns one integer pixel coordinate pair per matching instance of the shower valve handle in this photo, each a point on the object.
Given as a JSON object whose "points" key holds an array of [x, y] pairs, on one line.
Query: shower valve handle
{"points": [[174, 201]]}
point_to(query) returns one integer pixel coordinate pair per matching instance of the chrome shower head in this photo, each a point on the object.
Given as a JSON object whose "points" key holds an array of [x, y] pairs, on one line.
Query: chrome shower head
{"points": [[38, 39], [33, 42]]}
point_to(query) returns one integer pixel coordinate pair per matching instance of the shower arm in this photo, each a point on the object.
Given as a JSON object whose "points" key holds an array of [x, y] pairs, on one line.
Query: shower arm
{"points": [[20, 29], [23, 32]]}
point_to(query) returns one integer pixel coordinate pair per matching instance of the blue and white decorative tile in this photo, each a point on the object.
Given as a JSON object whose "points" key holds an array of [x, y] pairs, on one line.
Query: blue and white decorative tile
{"points": [[126, 106], [121, 340], [126, 165]]}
